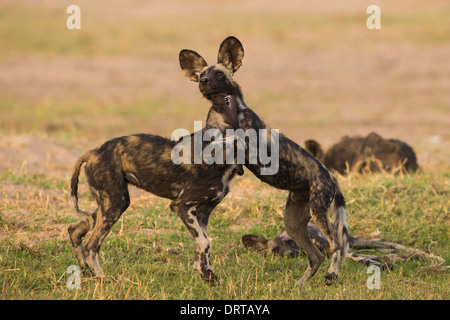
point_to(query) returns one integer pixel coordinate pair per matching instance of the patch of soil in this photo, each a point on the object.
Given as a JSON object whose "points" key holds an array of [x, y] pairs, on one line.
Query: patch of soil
{"points": [[27, 154]]}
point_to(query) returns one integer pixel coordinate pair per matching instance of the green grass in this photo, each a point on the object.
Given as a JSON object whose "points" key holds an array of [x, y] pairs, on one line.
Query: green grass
{"points": [[38, 180], [149, 253]]}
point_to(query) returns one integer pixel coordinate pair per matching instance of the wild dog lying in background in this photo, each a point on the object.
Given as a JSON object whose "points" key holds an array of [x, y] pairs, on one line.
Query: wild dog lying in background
{"points": [[285, 246], [144, 160], [367, 154], [312, 189]]}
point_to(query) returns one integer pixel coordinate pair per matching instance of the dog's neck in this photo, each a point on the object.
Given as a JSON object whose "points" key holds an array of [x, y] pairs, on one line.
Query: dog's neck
{"points": [[220, 100], [247, 118], [223, 113]]}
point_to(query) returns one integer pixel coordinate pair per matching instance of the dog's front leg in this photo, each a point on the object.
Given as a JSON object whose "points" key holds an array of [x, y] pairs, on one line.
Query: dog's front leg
{"points": [[195, 219]]}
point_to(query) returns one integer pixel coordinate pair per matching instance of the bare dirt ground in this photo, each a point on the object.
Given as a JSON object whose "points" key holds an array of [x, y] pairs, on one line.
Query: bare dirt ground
{"points": [[313, 71], [30, 154]]}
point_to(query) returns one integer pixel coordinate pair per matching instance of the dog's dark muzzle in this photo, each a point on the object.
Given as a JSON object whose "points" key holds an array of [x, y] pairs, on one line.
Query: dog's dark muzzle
{"points": [[204, 80]]}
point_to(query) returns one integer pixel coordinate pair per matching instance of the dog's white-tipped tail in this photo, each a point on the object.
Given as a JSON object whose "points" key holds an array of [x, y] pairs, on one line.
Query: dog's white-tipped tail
{"points": [[340, 222]]}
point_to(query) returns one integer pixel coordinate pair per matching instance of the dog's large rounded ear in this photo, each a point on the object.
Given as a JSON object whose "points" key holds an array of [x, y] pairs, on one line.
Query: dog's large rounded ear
{"points": [[231, 53], [314, 148], [192, 64], [254, 242]]}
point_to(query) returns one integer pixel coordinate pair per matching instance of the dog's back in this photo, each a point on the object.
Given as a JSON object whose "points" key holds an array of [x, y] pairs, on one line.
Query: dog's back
{"points": [[369, 153], [390, 152], [142, 160]]}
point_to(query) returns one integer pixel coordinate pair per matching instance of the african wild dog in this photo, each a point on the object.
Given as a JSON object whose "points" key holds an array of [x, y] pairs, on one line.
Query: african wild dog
{"points": [[365, 154], [144, 160], [312, 189], [285, 246]]}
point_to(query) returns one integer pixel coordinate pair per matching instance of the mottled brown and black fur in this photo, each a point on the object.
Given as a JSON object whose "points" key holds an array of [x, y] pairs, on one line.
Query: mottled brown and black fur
{"points": [[312, 188], [366, 154], [284, 245], [144, 160]]}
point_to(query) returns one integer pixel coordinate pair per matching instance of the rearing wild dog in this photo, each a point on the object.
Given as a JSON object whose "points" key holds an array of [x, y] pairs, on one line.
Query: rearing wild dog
{"points": [[145, 160], [312, 188]]}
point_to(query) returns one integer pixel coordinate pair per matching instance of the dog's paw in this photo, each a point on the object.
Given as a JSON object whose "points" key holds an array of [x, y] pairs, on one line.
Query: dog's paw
{"points": [[211, 279], [330, 278]]}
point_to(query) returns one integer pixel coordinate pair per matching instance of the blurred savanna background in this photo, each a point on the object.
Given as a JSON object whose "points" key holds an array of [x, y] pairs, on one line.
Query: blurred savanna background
{"points": [[313, 70]]}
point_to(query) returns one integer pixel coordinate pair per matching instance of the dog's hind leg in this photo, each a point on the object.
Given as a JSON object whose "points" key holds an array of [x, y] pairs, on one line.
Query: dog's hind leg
{"points": [[76, 233], [296, 219], [320, 202], [111, 207], [78, 230]]}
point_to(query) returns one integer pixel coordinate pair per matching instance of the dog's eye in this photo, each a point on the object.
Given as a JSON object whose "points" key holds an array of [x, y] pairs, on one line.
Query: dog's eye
{"points": [[219, 73]]}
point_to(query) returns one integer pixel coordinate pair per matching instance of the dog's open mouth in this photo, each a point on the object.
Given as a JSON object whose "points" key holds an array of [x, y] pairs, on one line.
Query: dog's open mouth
{"points": [[229, 102]]}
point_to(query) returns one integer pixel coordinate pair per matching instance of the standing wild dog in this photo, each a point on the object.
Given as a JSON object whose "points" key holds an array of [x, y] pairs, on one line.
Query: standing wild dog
{"points": [[145, 161], [312, 189]]}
